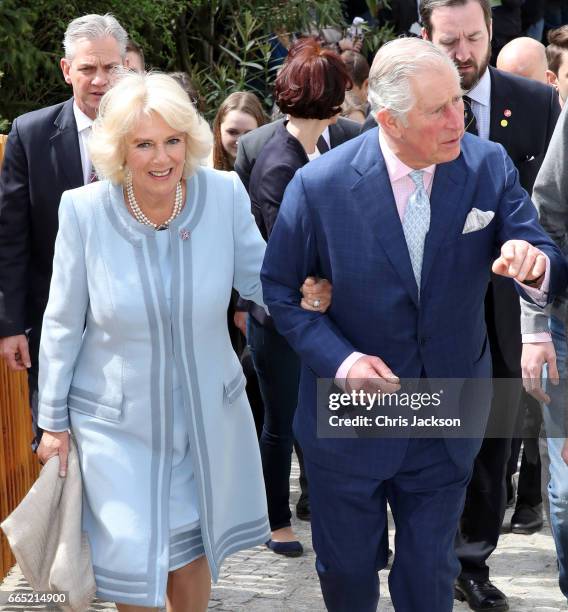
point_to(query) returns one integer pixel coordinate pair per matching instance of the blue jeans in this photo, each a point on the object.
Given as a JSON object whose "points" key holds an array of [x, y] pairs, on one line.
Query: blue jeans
{"points": [[553, 415]]}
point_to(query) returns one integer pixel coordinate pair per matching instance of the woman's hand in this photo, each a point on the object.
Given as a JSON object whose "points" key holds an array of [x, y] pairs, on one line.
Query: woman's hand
{"points": [[240, 321], [54, 443], [316, 294]]}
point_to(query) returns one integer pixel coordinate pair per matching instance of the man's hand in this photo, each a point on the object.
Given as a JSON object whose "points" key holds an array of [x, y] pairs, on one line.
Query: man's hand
{"points": [[521, 261], [15, 352], [240, 321], [316, 294], [564, 452], [371, 374], [54, 443], [534, 356]]}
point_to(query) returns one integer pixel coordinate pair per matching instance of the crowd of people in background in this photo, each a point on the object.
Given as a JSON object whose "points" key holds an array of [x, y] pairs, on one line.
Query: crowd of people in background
{"points": [[131, 291]]}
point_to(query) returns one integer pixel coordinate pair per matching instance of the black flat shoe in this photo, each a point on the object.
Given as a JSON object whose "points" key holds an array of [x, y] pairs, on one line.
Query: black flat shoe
{"points": [[288, 549], [527, 519], [303, 511], [480, 595]]}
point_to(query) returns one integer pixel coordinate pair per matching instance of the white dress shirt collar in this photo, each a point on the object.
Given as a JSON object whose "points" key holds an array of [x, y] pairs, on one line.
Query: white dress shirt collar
{"points": [[396, 168], [84, 125], [481, 93], [83, 122]]}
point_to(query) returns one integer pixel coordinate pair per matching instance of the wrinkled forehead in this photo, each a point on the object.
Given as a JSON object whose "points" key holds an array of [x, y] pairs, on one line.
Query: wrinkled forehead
{"points": [[95, 51], [435, 87]]}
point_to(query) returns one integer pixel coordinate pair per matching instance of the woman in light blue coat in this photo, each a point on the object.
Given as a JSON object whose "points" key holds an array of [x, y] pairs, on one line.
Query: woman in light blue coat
{"points": [[135, 354]]}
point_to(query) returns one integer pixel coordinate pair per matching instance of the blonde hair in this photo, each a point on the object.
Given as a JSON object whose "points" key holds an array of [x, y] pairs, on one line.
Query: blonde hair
{"points": [[133, 96]]}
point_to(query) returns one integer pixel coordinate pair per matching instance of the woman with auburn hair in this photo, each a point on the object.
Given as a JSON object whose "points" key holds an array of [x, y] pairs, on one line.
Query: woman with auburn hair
{"points": [[135, 356], [309, 89], [239, 113]]}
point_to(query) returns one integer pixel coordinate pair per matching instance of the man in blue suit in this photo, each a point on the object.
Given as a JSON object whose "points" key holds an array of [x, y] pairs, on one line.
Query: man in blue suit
{"points": [[406, 222]]}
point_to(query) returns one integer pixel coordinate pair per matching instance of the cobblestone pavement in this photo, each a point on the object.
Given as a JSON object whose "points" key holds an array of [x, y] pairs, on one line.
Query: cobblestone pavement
{"points": [[257, 580]]}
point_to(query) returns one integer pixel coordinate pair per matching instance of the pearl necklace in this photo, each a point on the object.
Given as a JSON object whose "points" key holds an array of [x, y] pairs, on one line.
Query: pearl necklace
{"points": [[141, 217]]}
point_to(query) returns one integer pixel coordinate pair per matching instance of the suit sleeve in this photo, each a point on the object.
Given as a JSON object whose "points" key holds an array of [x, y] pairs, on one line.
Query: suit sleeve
{"points": [[249, 247], [243, 165], [554, 111], [64, 321], [550, 195], [534, 320], [291, 256], [14, 236], [268, 192], [518, 220]]}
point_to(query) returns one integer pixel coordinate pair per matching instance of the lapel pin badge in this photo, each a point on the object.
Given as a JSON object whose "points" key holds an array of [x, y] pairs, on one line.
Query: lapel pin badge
{"points": [[507, 112], [184, 234], [504, 123]]}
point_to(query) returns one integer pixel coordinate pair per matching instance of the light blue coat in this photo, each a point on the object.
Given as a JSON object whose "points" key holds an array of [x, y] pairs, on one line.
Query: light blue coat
{"points": [[107, 346]]}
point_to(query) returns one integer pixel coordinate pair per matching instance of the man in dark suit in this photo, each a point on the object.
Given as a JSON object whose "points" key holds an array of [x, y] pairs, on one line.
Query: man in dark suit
{"points": [[407, 221], [520, 115], [251, 144], [45, 155]]}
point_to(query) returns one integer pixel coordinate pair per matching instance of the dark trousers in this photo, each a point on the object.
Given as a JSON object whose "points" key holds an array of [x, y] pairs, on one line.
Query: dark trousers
{"points": [[486, 497], [349, 531], [484, 509], [278, 369], [33, 340], [529, 487], [253, 390]]}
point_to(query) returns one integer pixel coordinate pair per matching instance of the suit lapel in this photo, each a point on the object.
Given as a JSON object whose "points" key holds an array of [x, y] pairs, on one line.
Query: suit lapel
{"points": [[336, 136], [445, 206], [376, 206], [65, 143], [500, 102]]}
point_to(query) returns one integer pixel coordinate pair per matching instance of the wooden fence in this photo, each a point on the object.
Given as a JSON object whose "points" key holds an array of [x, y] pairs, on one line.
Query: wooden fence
{"points": [[18, 465]]}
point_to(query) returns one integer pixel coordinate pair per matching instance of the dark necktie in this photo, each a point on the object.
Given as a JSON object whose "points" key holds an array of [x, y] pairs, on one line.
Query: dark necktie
{"points": [[322, 145], [93, 178], [469, 119]]}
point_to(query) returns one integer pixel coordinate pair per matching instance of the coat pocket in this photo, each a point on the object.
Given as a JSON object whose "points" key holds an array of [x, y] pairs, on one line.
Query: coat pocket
{"points": [[107, 407], [233, 388]]}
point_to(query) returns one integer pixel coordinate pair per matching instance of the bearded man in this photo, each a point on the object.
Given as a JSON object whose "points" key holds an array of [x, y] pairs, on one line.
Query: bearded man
{"points": [[520, 114]]}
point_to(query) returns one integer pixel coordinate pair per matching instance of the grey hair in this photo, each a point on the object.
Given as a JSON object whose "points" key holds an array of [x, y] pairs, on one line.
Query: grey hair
{"points": [[93, 27], [395, 64]]}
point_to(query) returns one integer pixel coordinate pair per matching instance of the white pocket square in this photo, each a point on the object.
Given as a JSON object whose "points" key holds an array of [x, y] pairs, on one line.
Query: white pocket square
{"points": [[477, 219]]}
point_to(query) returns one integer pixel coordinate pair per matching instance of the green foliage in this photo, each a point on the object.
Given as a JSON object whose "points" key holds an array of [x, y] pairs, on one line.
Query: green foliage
{"points": [[222, 44], [4, 123], [31, 34]]}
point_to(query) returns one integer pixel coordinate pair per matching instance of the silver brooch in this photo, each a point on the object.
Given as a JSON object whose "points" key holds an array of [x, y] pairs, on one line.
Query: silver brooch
{"points": [[184, 234]]}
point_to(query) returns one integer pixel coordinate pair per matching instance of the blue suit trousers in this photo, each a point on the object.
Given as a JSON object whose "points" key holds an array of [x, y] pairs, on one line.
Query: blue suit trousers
{"points": [[350, 532]]}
